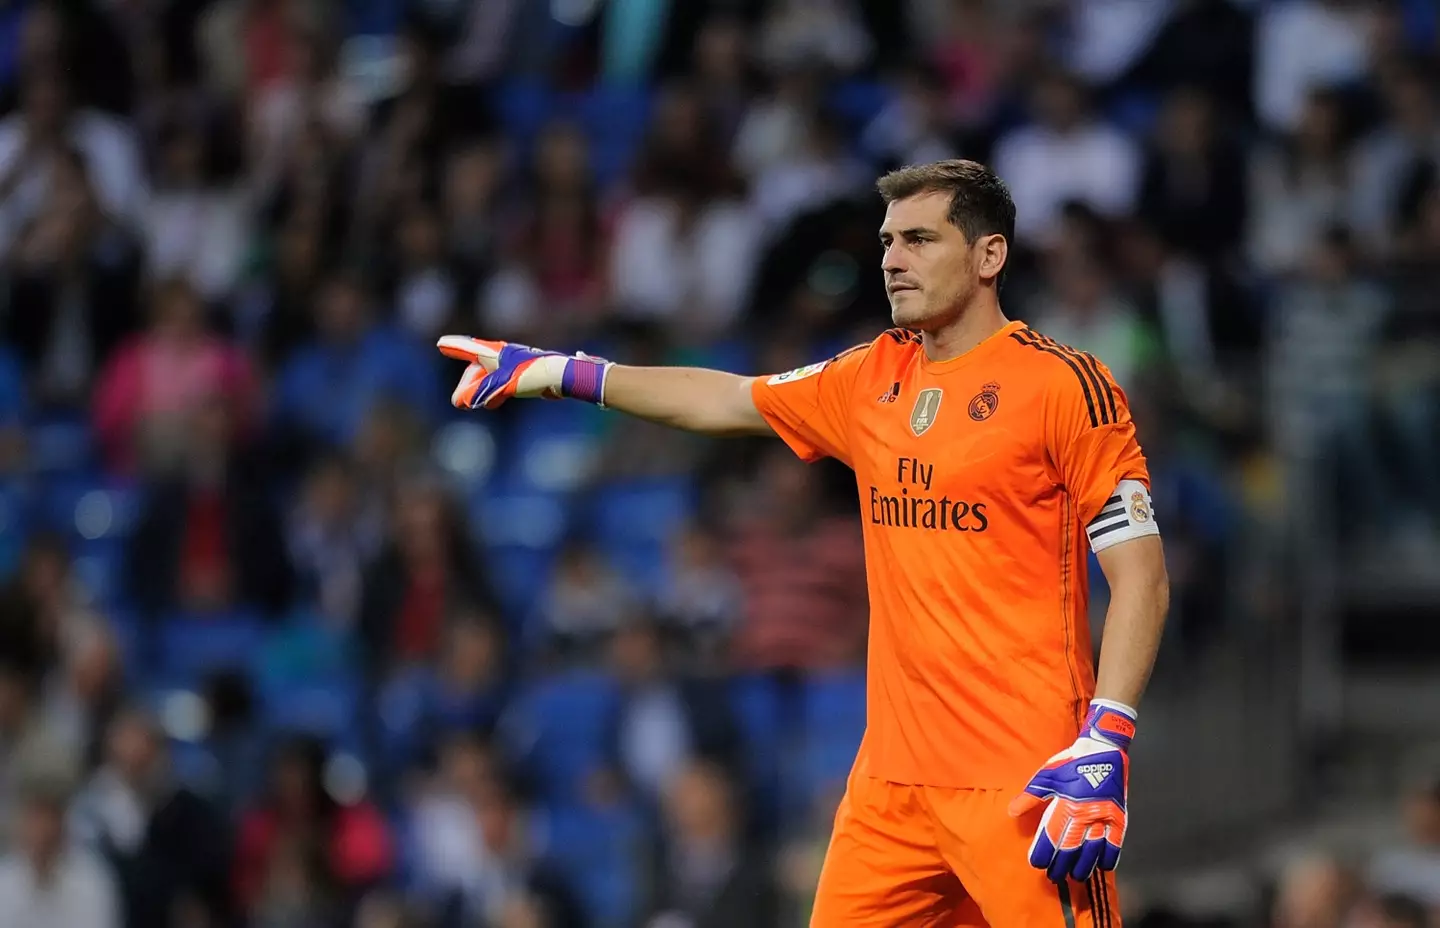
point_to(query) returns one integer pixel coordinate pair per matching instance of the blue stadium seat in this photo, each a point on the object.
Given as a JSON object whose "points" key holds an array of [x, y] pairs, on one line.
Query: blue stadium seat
{"points": [[1134, 111], [89, 506], [759, 711], [614, 119], [731, 355], [131, 640], [559, 727], [857, 102], [519, 519], [330, 709], [647, 512], [14, 527], [550, 447], [524, 107], [833, 711], [99, 566], [61, 444], [519, 534], [520, 577], [1420, 21], [596, 849], [634, 524], [192, 646]]}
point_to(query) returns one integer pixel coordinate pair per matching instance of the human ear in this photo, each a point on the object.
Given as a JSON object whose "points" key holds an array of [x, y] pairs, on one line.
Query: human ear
{"points": [[993, 253]]}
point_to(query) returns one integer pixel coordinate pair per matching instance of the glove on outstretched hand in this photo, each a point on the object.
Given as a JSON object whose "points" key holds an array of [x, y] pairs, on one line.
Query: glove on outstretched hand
{"points": [[498, 371]]}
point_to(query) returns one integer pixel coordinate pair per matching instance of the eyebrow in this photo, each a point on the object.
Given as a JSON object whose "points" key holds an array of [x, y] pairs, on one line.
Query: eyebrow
{"points": [[910, 233]]}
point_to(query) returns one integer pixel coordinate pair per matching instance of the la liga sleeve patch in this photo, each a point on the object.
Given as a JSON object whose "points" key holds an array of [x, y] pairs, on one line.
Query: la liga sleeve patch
{"points": [[799, 373]]}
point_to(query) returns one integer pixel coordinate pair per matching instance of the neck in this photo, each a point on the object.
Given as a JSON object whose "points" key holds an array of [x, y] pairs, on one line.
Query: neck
{"points": [[972, 326]]}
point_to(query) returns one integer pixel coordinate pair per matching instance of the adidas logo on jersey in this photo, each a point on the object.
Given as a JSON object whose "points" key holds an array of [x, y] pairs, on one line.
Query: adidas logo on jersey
{"points": [[1095, 774]]}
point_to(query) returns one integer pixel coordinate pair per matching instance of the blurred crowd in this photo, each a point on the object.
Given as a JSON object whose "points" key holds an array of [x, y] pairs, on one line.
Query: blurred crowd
{"points": [[286, 642]]}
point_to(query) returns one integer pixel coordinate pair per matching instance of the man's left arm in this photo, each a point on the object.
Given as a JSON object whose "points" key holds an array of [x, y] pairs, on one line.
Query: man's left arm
{"points": [[1084, 788], [1139, 601]]}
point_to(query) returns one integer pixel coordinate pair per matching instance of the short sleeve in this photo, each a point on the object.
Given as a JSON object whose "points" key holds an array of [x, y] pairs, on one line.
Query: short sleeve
{"points": [[1090, 435], [809, 407]]}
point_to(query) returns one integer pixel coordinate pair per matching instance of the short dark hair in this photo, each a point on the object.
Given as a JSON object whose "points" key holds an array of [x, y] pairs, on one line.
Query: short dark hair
{"points": [[980, 202]]}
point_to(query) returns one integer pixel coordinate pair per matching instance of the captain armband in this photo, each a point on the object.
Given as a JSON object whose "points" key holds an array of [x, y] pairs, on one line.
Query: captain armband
{"points": [[1127, 514]]}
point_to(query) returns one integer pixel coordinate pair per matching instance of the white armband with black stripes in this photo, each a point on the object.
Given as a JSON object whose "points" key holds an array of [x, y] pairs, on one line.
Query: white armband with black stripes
{"points": [[1127, 514]]}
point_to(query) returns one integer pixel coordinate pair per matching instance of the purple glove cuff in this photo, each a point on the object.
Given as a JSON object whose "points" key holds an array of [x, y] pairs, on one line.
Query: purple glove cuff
{"points": [[1111, 723], [584, 379]]}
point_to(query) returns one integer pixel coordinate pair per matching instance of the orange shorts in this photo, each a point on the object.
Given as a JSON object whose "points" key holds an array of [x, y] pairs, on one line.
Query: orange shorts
{"points": [[924, 857]]}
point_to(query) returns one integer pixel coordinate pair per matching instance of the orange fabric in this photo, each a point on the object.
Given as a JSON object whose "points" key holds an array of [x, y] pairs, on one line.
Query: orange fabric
{"points": [[929, 857], [973, 502]]}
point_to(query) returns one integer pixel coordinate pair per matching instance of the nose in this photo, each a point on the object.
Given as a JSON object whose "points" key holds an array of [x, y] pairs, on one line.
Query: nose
{"points": [[893, 261]]}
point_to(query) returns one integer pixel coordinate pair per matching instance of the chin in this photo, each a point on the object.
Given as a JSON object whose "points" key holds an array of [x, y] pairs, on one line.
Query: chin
{"points": [[908, 317]]}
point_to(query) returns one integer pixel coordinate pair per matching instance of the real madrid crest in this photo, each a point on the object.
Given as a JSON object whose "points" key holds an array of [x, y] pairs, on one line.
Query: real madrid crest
{"points": [[1139, 511], [985, 402], [927, 406]]}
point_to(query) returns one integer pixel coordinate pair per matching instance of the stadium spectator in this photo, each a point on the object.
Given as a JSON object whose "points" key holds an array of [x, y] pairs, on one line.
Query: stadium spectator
{"points": [[479, 852], [465, 691], [724, 75], [301, 850], [46, 881], [667, 717], [1314, 892], [1414, 869], [702, 597], [428, 570], [1065, 154], [1298, 187], [168, 847], [586, 601], [916, 126], [329, 385], [1193, 185], [333, 532], [197, 223], [73, 284], [474, 179], [1323, 340], [208, 538], [44, 607], [152, 387], [968, 48], [704, 875], [1304, 45], [1409, 381], [1083, 308], [800, 572], [84, 690], [1396, 912], [49, 123], [25, 743], [311, 91], [1384, 199]]}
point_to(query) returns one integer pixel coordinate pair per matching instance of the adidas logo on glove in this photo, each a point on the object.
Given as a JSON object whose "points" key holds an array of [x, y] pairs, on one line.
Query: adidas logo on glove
{"points": [[1095, 773]]}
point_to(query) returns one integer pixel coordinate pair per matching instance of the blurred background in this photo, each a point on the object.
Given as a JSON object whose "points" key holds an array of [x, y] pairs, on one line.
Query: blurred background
{"points": [[286, 642]]}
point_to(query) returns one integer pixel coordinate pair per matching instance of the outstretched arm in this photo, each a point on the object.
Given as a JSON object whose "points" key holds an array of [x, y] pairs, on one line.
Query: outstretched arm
{"points": [[694, 399], [691, 398]]}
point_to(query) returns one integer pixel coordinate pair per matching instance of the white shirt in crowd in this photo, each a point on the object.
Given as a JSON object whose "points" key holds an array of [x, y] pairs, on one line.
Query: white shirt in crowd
{"points": [[1093, 163], [661, 267], [112, 161], [1299, 46], [80, 893]]}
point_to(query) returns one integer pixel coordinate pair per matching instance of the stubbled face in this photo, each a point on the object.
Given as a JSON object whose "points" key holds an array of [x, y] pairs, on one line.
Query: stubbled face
{"points": [[931, 270]]}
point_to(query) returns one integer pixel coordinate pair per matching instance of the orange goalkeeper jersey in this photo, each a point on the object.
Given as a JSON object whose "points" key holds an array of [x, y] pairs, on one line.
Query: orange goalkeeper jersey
{"points": [[977, 478]]}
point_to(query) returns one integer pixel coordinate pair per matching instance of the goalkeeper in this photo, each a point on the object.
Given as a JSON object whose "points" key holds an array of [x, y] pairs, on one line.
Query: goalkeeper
{"points": [[991, 785]]}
